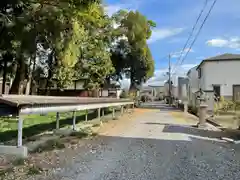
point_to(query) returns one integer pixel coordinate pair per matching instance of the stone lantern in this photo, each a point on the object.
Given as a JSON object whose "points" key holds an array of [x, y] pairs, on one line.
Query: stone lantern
{"points": [[202, 109]]}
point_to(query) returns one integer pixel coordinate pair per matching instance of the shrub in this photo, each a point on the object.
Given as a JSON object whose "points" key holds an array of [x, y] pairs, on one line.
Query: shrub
{"points": [[124, 94]]}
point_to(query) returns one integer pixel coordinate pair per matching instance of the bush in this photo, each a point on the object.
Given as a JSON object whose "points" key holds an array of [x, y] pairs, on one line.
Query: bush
{"points": [[145, 98], [193, 110], [124, 94]]}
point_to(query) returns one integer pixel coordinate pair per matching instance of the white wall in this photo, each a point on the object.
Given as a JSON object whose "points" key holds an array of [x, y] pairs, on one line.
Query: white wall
{"points": [[166, 90], [193, 86], [223, 73]]}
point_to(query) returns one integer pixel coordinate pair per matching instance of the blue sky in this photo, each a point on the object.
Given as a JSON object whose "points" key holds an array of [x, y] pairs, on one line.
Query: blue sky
{"points": [[175, 19]]}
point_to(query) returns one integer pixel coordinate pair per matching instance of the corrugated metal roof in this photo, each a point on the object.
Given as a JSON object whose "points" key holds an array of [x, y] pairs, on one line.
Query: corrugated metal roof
{"points": [[26, 100]]}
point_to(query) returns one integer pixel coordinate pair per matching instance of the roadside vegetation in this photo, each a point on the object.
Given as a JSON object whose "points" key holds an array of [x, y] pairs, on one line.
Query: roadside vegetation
{"points": [[45, 42]]}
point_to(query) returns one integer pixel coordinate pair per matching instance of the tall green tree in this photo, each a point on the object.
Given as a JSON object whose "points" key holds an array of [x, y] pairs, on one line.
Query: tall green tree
{"points": [[131, 55]]}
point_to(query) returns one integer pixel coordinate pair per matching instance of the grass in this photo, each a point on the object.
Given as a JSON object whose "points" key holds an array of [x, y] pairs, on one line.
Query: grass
{"points": [[36, 124], [80, 134]]}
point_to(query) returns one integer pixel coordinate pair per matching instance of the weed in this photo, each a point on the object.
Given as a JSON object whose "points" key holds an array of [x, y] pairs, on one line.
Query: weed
{"points": [[94, 134], [80, 134], [96, 125], [34, 170], [4, 172], [49, 146], [18, 162]]}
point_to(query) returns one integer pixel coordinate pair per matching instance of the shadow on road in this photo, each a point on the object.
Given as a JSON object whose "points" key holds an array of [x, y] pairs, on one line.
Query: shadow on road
{"points": [[160, 106], [131, 156], [191, 130]]}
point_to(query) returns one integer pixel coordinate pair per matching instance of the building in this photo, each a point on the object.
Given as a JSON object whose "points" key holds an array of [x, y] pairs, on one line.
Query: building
{"points": [[147, 91], [182, 88], [193, 86], [158, 91], [174, 90], [221, 74], [77, 89]]}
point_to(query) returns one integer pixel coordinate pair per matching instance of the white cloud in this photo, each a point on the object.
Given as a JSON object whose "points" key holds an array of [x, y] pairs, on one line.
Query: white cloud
{"points": [[159, 34], [181, 53], [160, 75], [111, 9], [233, 43], [126, 5]]}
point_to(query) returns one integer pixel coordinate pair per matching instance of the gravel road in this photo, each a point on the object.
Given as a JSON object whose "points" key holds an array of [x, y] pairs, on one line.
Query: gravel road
{"points": [[154, 147]]}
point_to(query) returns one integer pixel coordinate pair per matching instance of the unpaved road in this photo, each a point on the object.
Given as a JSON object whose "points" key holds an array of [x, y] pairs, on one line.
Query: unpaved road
{"points": [[153, 146]]}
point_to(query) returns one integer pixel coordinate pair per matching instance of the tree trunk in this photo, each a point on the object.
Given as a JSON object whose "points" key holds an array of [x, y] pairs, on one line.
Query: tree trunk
{"points": [[28, 85], [19, 77], [6, 59], [33, 70], [50, 73]]}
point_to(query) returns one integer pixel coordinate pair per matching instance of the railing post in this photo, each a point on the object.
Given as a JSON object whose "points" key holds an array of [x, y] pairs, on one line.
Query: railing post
{"points": [[122, 110], [113, 114], [86, 115], [103, 113], [20, 127], [57, 120], [99, 114], [74, 120]]}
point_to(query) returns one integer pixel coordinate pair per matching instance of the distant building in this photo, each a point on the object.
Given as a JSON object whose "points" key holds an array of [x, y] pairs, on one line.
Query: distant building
{"points": [[182, 88], [174, 90], [193, 86], [77, 89]]}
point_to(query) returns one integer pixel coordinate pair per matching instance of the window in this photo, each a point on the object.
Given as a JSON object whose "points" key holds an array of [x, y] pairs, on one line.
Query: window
{"points": [[217, 90], [199, 73]]}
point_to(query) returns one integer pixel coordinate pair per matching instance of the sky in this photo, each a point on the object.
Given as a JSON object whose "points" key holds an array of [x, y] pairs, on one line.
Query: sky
{"points": [[175, 20]]}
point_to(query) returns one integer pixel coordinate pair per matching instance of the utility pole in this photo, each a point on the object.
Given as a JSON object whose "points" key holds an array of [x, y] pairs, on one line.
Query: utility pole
{"points": [[169, 81]]}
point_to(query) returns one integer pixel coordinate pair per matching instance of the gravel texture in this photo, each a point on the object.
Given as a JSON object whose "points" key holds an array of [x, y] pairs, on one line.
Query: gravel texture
{"points": [[145, 149]]}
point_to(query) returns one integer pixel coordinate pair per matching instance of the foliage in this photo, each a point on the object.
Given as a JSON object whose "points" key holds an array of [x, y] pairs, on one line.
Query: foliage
{"points": [[64, 40], [131, 55], [124, 94]]}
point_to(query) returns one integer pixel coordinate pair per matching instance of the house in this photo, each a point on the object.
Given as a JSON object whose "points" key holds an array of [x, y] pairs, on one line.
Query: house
{"points": [[112, 89], [159, 91], [174, 90], [220, 75], [193, 86], [77, 89], [182, 88], [148, 91]]}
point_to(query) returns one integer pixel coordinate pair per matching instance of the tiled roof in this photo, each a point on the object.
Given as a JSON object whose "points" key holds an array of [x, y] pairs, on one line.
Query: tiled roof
{"points": [[224, 57]]}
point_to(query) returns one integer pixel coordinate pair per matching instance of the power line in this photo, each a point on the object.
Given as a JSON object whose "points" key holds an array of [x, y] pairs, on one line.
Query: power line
{"points": [[191, 33], [204, 21]]}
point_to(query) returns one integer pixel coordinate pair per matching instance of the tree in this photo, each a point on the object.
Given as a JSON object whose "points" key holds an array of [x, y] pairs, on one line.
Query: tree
{"points": [[68, 39], [95, 62], [131, 55]]}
